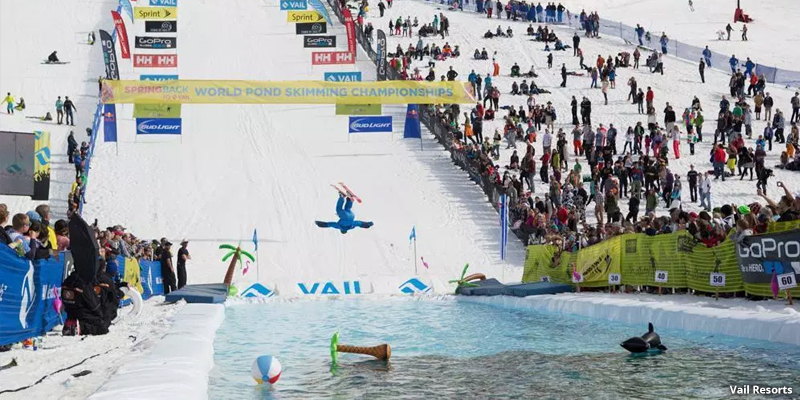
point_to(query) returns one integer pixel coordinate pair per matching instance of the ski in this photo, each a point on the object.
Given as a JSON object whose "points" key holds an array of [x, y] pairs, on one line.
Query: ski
{"points": [[350, 192], [340, 190], [56, 63]]}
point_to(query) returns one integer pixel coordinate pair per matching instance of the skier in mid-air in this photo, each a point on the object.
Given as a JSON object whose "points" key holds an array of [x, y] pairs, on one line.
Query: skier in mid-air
{"points": [[347, 220]]}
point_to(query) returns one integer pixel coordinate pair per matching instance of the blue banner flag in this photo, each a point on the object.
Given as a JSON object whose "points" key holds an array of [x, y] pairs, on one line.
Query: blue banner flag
{"points": [[412, 129], [110, 123], [413, 235], [126, 6], [318, 7], [158, 126], [255, 238]]}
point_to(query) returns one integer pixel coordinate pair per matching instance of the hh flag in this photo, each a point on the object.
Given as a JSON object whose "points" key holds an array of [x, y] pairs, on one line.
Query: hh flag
{"points": [[413, 235], [503, 226], [122, 34], [255, 238]]}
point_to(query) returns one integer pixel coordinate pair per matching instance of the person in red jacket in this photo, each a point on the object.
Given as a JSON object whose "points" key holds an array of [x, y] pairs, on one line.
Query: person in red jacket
{"points": [[720, 156], [649, 97]]}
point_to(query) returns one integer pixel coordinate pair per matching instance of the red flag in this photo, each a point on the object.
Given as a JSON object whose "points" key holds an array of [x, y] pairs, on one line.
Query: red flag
{"points": [[350, 27], [122, 35]]}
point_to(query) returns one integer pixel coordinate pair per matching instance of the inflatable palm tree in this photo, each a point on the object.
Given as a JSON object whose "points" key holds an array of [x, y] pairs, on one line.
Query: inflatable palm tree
{"points": [[235, 254]]}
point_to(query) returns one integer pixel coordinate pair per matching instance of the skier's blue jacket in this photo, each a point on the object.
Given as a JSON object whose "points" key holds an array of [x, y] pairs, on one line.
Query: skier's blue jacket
{"points": [[347, 220], [733, 62], [749, 65]]}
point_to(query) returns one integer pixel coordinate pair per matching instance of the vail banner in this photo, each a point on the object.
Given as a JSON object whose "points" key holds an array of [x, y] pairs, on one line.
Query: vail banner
{"points": [[109, 55], [110, 123], [381, 55], [284, 92], [412, 128], [27, 291], [122, 33], [151, 281], [317, 5], [41, 166]]}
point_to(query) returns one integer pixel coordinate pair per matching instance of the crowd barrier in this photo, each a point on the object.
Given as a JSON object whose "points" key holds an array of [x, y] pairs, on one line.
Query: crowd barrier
{"points": [[674, 260], [627, 33], [28, 290]]}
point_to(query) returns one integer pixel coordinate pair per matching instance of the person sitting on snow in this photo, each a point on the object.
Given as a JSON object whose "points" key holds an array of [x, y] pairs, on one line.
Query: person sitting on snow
{"points": [[52, 58], [21, 105], [488, 35], [477, 55], [347, 219], [509, 32], [515, 70]]}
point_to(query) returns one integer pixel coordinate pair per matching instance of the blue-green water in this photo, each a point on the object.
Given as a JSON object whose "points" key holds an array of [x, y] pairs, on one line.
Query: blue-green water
{"points": [[445, 349]]}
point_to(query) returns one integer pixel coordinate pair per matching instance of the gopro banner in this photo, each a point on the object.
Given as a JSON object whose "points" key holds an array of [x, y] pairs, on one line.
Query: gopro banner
{"points": [[285, 92], [319, 41], [343, 76], [158, 126], [149, 42], [293, 5], [762, 255], [381, 55], [313, 28], [371, 124], [110, 123], [109, 55]]}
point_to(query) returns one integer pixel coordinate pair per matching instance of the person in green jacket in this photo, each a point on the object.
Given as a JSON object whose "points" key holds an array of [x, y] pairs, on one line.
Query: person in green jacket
{"points": [[698, 125], [9, 100], [60, 110]]}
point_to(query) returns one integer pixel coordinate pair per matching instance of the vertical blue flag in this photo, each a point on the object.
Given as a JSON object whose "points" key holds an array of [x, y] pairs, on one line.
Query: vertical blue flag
{"points": [[110, 123], [126, 5], [413, 235], [255, 238], [503, 226], [318, 7], [412, 128]]}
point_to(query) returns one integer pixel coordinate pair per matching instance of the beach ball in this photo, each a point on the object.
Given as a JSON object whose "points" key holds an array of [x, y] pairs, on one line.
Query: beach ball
{"points": [[266, 369]]}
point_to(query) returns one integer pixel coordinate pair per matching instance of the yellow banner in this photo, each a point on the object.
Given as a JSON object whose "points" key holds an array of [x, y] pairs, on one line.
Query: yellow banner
{"points": [[304, 16], [133, 275], [596, 262], [155, 13], [284, 92]]}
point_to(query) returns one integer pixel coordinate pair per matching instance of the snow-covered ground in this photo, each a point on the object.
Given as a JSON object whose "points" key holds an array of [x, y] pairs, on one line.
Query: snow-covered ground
{"points": [[766, 320], [772, 36], [129, 338]]}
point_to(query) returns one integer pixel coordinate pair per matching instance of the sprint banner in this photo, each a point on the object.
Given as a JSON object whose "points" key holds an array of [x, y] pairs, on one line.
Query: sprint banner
{"points": [[284, 92]]}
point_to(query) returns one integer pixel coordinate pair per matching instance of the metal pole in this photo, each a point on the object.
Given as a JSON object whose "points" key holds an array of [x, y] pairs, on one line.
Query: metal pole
{"points": [[258, 267], [415, 256]]}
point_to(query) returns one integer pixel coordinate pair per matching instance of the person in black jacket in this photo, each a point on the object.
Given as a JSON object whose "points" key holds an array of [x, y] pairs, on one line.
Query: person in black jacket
{"points": [[563, 75], [576, 41], [451, 74], [72, 145], [167, 270], [702, 69], [574, 105], [691, 176], [69, 108]]}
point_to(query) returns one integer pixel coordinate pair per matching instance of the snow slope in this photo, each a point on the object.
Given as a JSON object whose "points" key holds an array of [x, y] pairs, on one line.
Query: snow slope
{"points": [[237, 168], [677, 87], [772, 36], [33, 30]]}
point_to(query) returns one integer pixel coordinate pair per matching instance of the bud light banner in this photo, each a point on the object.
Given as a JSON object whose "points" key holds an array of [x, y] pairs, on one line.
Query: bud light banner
{"points": [[761, 256], [110, 122], [27, 292], [318, 7], [371, 124], [158, 126], [109, 55], [122, 33], [381, 55]]}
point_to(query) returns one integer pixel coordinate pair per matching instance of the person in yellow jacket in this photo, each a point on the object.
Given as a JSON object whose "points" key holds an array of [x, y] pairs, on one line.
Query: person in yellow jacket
{"points": [[44, 211], [10, 103]]}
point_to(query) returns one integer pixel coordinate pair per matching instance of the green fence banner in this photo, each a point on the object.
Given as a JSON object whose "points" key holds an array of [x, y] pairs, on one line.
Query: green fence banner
{"points": [[358, 109], [157, 111]]}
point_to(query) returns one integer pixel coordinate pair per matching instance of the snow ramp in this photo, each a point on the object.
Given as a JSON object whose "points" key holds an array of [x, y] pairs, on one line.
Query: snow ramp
{"points": [[237, 168]]}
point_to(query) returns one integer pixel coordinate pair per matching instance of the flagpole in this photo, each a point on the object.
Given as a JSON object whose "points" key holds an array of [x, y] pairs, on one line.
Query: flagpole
{"points": [[258, 268], [415, 256]]}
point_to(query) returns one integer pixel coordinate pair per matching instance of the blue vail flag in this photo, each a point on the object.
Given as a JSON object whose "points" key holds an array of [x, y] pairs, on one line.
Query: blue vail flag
{"points": [[413, 235], [255, 238], [503, 226]]}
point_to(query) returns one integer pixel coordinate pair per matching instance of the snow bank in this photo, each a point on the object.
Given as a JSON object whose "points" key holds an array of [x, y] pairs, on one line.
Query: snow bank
{"points": [[178, 366], [770, 321]]}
